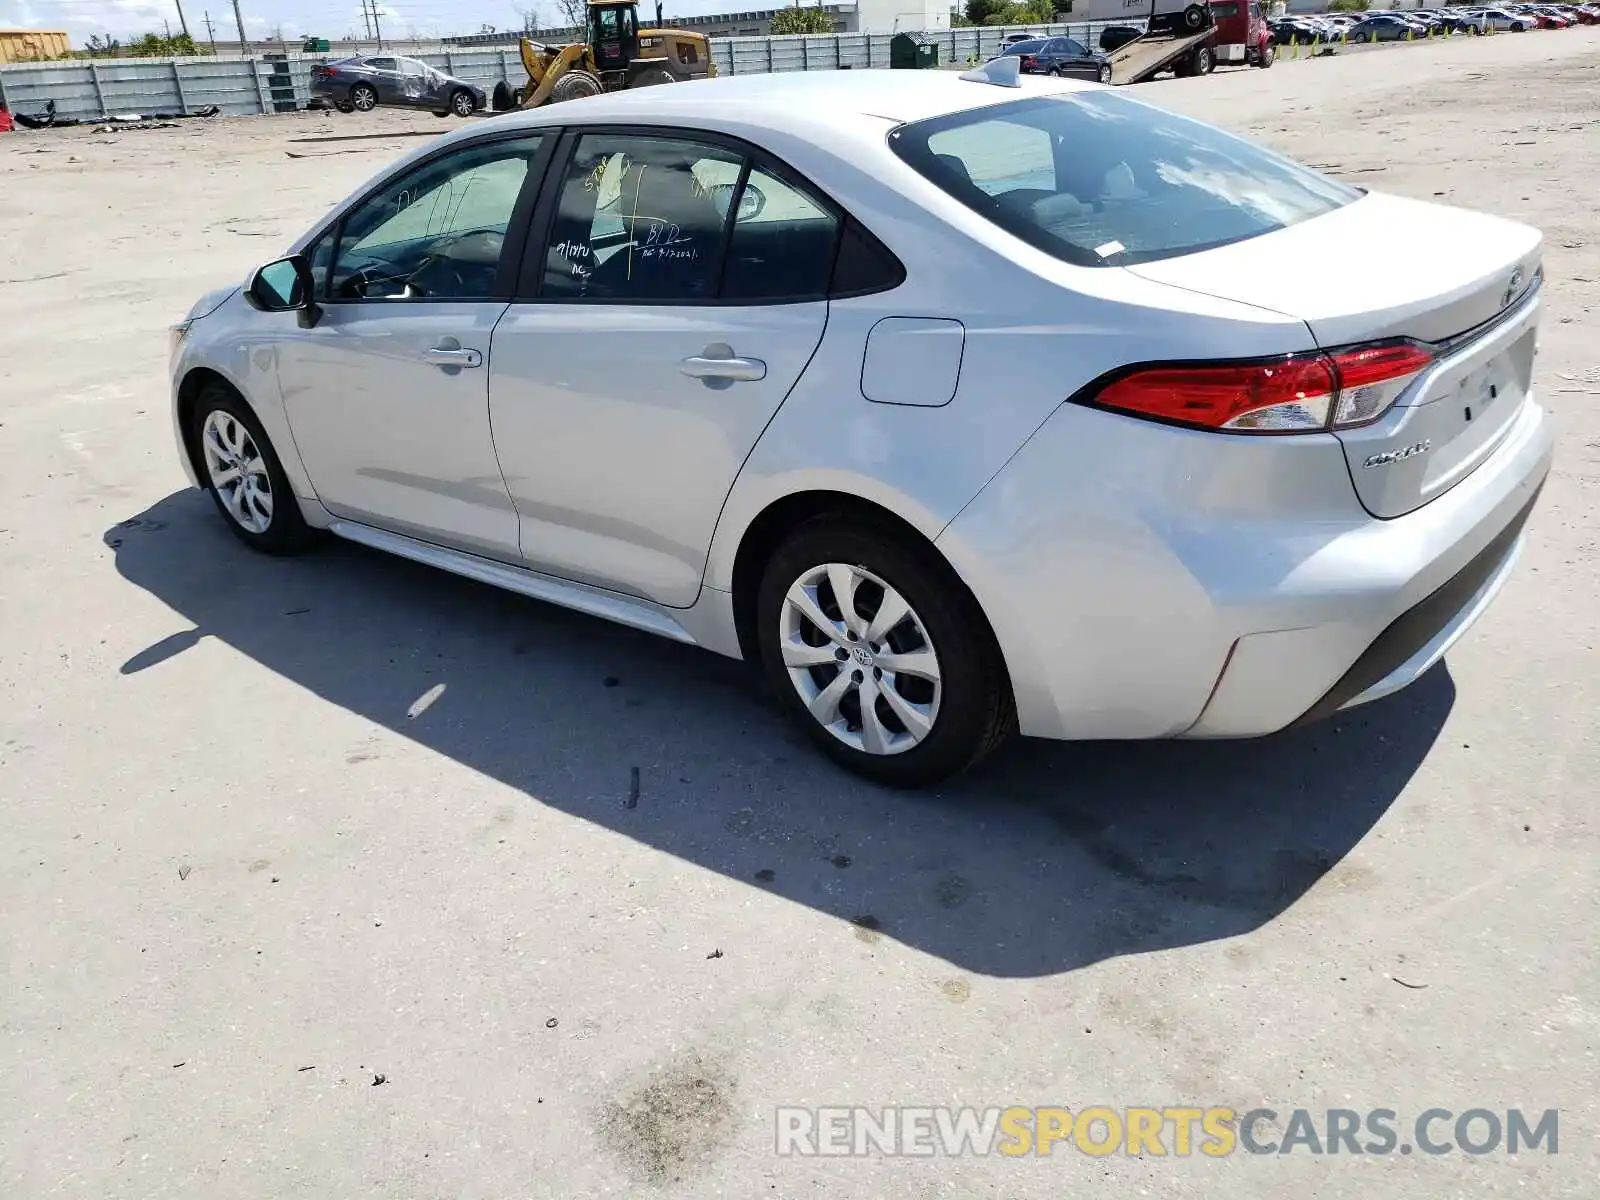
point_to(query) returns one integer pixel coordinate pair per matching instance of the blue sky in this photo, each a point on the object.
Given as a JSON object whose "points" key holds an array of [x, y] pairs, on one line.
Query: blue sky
{"points": [[427, 18]]}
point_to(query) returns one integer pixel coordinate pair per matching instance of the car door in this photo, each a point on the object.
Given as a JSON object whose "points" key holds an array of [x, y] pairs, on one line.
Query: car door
{"points": [[413, 81], [1075, 59], [660, 324], [387, 394], [384, 74]]}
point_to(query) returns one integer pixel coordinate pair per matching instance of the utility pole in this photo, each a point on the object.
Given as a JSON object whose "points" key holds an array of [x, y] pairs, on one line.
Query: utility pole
{"points": [[377, 29], [366, 20], [211, 33], [244, 42], [182, 20]]}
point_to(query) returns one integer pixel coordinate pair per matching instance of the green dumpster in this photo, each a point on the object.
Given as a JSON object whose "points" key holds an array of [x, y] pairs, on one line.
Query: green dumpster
{"points": [[903, 52], [907, 54]]}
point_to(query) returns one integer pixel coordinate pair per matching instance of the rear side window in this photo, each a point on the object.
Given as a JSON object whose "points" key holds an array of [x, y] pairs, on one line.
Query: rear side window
{"points": [[1100, 180]]}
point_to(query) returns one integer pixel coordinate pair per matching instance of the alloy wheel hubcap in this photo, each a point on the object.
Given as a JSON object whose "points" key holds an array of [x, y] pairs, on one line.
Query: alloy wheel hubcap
{"points": [[237, 471], [860, 658]]}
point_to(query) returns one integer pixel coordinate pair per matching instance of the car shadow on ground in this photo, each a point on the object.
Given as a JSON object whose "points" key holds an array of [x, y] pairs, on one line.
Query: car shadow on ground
{"points": [[1050, 857]]}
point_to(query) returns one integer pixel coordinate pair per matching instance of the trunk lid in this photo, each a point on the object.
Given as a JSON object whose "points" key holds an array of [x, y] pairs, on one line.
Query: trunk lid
{"points": [[1384, 267]]}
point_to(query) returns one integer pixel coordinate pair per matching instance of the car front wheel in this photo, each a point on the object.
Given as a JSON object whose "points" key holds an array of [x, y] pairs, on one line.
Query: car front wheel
{"points": [[876, 648], [462, 105], [1105, 74], [244, 476]]}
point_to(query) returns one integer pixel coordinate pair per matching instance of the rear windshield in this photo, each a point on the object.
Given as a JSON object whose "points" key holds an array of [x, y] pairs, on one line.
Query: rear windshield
{"points": [[1102, 180]]}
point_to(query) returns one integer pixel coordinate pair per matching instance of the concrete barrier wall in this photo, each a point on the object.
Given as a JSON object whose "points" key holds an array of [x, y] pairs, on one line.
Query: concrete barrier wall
{"points": [[90, 89]]}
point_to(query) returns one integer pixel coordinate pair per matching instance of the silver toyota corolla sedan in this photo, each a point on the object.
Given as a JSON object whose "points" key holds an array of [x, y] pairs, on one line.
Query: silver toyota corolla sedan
{"points": [[962, 404]]}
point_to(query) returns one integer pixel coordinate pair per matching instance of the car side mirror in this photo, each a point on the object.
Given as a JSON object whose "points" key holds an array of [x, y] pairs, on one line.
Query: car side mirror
{"points": [[285, 286], [751, 201]]}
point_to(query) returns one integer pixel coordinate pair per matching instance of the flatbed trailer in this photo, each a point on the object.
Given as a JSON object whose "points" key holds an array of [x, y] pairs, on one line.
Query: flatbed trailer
{"points": [[1147, 56]]}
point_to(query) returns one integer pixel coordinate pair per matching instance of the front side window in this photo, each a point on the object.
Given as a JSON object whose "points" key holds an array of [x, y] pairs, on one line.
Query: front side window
{"points": [[1097, 179], [438, 231]]}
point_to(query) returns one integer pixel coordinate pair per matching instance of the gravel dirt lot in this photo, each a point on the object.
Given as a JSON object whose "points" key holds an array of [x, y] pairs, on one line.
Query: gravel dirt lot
{"points": [[268, 935]]}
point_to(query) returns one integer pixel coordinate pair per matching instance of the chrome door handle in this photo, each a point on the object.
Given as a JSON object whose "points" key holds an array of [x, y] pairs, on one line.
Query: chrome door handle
{"points": [[715, 368], [448, 353]]}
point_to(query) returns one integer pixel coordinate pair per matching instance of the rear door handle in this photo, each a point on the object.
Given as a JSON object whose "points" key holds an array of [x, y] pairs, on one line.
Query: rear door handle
{"points": [[449, 353], [717, 365]]}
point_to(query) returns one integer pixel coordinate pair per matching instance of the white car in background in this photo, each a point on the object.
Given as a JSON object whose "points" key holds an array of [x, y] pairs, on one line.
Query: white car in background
{"points": [[961, 404]]}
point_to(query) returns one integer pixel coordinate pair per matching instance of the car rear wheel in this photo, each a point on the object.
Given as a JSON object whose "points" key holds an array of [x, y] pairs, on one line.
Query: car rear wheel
{"points": [[1105, 73], [873, 645], [461, 103], [242, 472], [364, 97]]}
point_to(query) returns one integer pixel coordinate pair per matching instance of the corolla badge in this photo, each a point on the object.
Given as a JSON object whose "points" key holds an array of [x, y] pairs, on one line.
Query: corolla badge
{"points": [[1512, 288], [1394, 456]]}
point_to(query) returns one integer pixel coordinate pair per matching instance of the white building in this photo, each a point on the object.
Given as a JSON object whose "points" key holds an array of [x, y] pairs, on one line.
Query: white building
{"points": [[902, 16]]}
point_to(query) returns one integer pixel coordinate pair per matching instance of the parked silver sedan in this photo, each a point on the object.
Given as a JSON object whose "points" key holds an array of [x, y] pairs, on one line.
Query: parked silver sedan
{"points": [[961, 404]]}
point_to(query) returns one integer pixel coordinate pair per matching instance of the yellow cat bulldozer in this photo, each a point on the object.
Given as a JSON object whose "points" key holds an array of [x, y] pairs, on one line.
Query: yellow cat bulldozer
{"points": [[615, 54]]}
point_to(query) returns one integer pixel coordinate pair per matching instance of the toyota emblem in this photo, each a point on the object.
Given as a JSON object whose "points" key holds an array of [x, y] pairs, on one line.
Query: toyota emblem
{"points": [[1512, 288]]}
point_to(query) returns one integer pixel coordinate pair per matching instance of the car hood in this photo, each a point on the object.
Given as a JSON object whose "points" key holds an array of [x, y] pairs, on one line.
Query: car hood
{"points": [[210, 302]]}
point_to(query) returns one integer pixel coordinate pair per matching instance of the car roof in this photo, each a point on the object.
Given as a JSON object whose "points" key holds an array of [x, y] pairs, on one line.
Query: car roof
{"points": [[805, 104]]}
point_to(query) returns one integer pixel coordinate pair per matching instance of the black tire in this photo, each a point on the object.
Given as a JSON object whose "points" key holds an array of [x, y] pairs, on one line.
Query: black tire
{"points": [[440, 115], [975, 714], [344, 106], [1195, 17], [1267, 56], [652, 77], [462, 104], [364, 97], [574, 85], [504, 98], [1105, 74], [287, 531], [1204, 61], [1054, 72]]}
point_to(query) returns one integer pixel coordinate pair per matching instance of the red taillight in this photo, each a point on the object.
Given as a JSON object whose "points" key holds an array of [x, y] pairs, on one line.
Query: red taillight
{"points": [[1028, 62], [1294, 394], [321, 72], [1371, 379]]}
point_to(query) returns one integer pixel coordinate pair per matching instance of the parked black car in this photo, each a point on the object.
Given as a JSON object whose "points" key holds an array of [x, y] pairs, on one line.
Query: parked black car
{"points": [[1060, 56], [1114, 37], [362, 83]]}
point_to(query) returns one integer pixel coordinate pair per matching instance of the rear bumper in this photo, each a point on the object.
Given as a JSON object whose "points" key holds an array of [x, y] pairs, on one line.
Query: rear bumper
{"points": [[1173, 596], [1422, 635]]}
